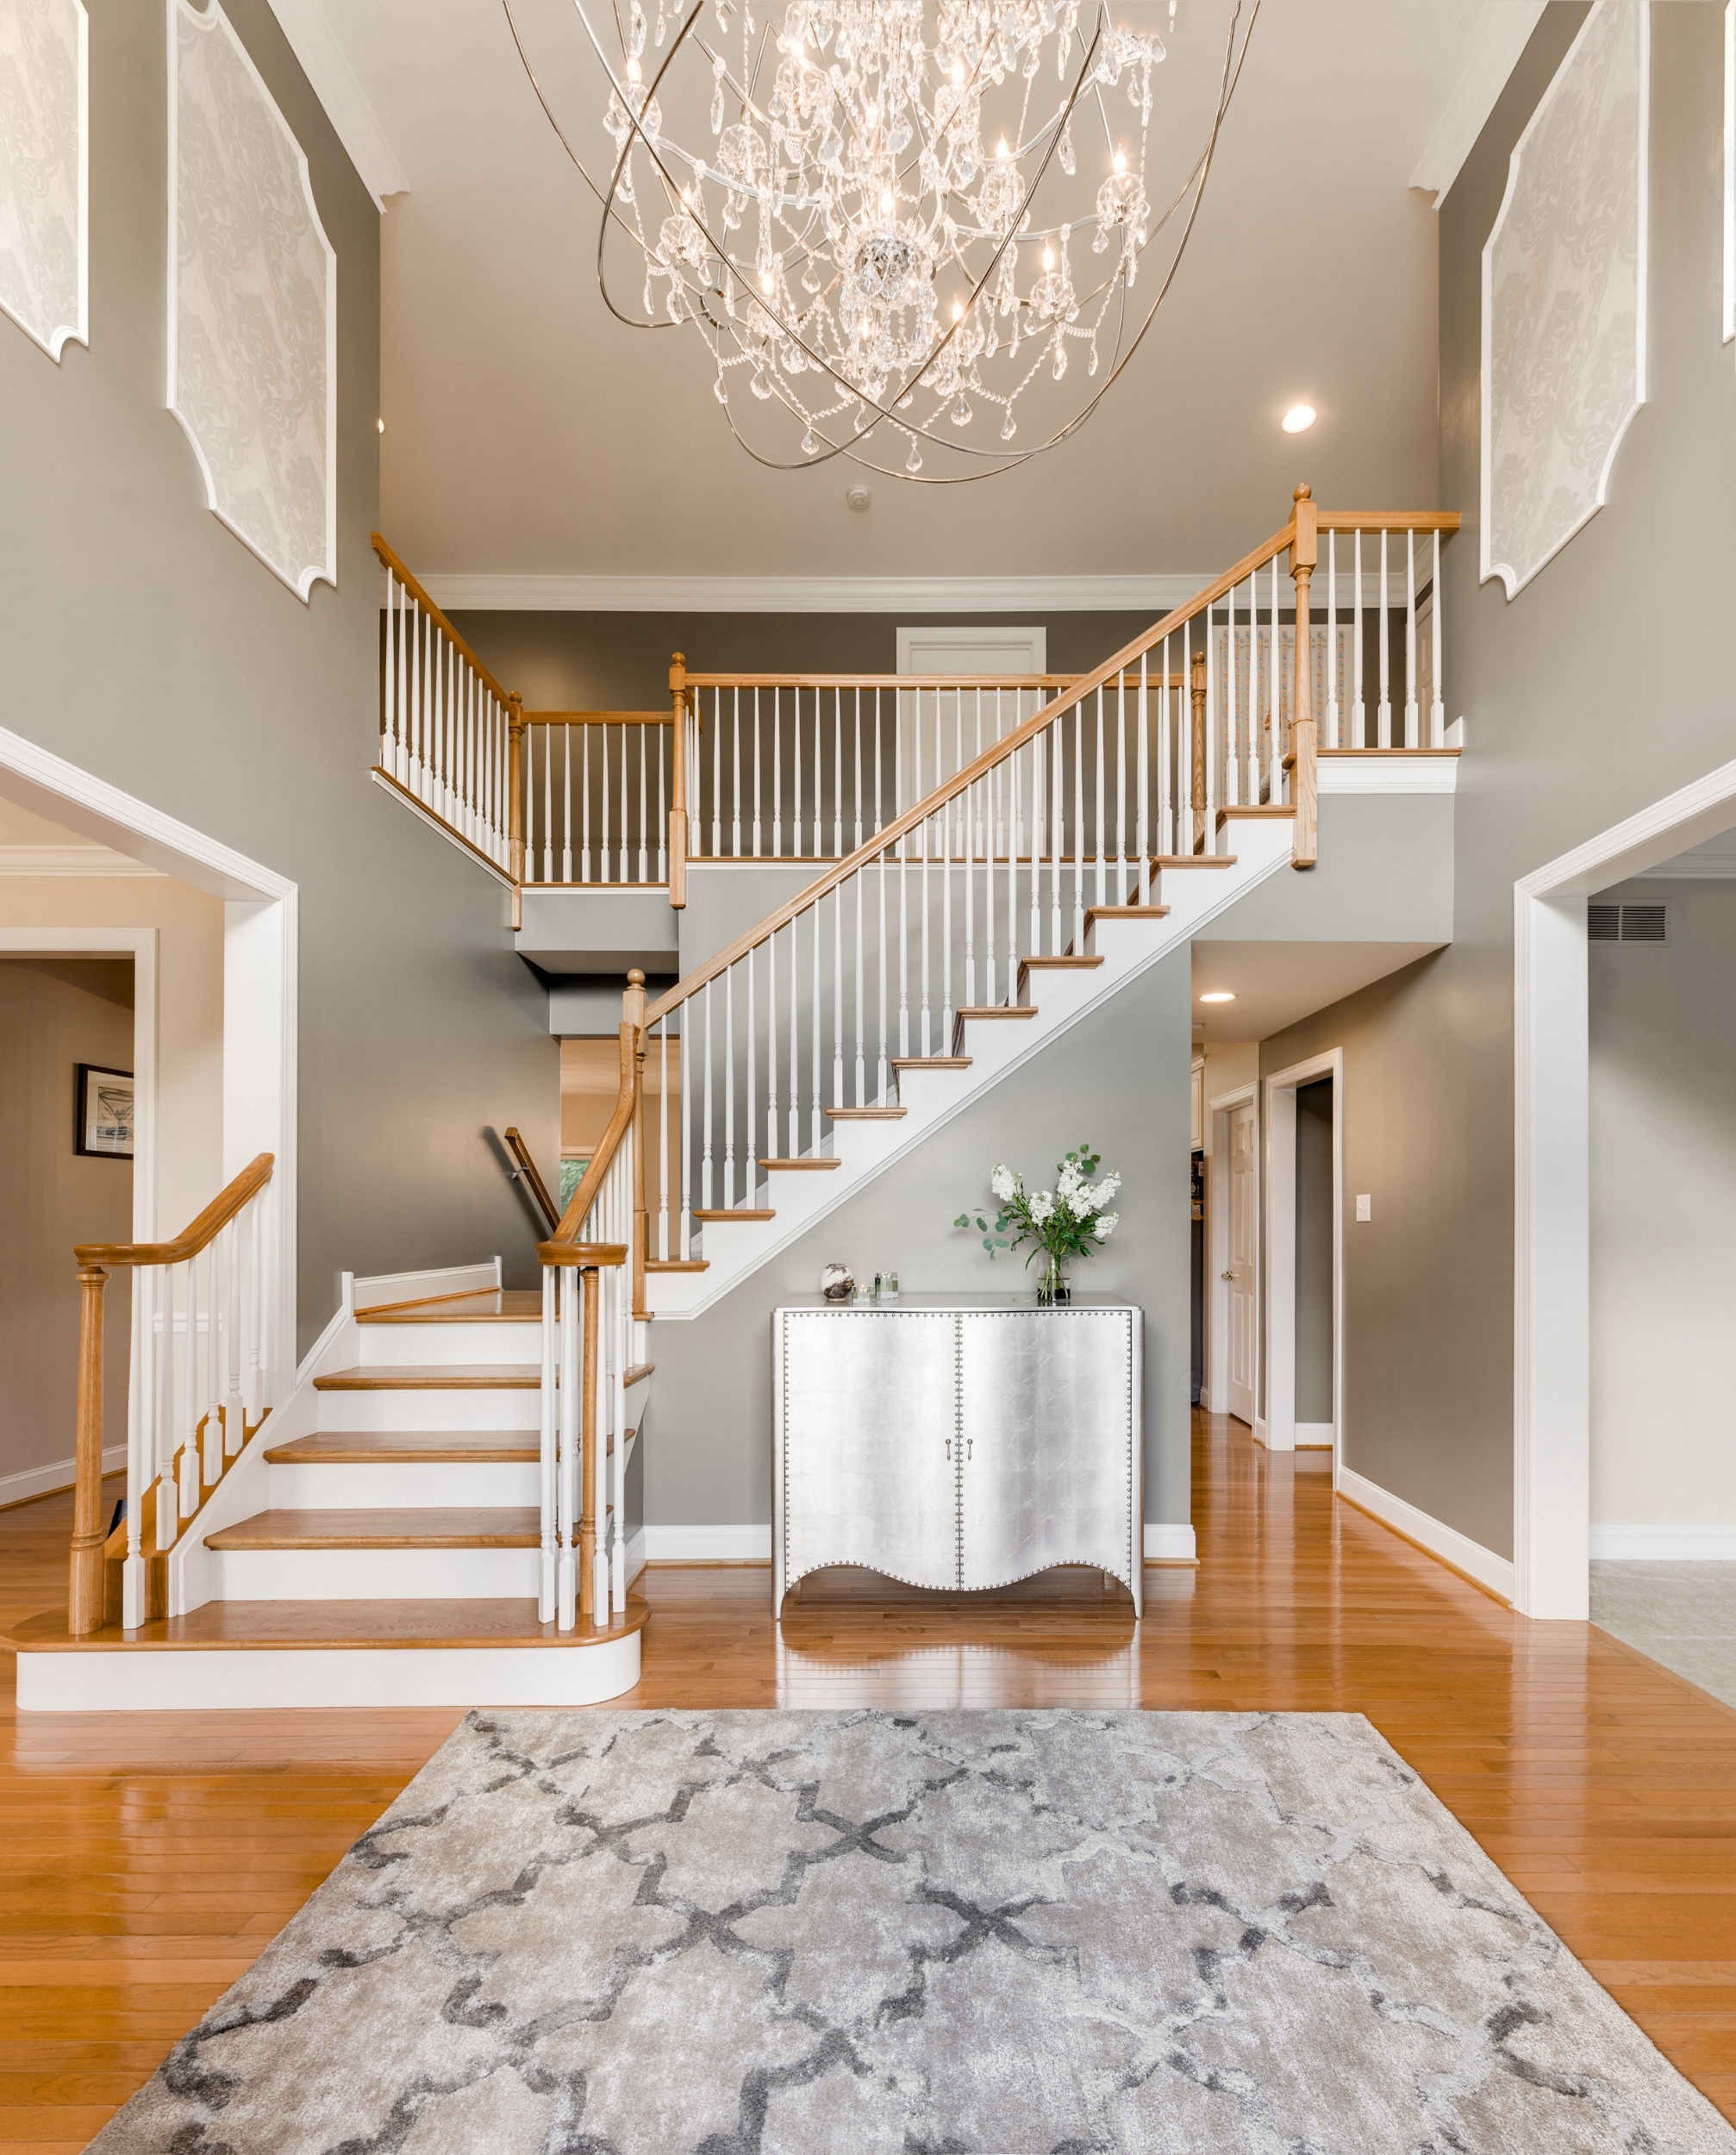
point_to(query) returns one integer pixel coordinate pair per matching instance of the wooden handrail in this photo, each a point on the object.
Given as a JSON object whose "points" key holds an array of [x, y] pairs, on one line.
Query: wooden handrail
{"points": [[882, 680], [1445, 520], [599, 718], [557, 1249], [436, 616], [962, 780], [205, 1229], [1075, 690], [526, 1171]]}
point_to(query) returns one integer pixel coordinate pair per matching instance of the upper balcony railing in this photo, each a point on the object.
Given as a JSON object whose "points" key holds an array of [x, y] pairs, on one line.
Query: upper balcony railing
{"points": [[767, 768]]}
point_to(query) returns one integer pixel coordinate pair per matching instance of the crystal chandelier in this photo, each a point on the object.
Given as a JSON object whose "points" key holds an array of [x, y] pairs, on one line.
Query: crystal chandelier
{"points": [[908, 224]]}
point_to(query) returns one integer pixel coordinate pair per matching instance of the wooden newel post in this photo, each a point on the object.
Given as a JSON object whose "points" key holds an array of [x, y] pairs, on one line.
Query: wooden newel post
{"points": [[515, 801], [1198, 690], [633, 1005], [84, 1588], [678, 813], [587, 1448], [1304, 738]]}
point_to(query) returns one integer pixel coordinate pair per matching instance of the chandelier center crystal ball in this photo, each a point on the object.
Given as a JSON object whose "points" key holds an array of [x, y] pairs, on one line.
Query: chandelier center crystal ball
{"points": [[886, 217]]}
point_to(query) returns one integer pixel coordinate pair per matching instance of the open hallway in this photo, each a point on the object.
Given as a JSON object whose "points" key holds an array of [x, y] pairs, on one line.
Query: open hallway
{"points": [[146, 1860]]}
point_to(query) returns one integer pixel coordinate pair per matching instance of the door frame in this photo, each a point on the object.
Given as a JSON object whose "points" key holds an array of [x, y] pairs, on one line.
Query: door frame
{"points": [[1279, 1432], [259, 995], [1216, 1392], [1552, 1186]]}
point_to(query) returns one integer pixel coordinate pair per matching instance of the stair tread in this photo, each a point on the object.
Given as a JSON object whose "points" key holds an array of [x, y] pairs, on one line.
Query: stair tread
{"points": [[676, 1263], [507, 1622], [1193, 860], [866, 1115], [1124, 913], [387, 1527], [1250, 809], [931, 1062], [341, 1448], [1069, 963], [788, 1164], [732, 1212], [424, 1377], [638, 1372], [996, 1010], [488, 1305]]}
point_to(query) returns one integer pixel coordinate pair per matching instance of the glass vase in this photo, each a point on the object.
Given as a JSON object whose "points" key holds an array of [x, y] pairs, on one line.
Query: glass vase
{"points": [[1052, 1287]]}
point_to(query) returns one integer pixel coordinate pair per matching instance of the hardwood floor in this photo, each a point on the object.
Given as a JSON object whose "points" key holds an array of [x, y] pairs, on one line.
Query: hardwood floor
{"points": [[145, 1860]]}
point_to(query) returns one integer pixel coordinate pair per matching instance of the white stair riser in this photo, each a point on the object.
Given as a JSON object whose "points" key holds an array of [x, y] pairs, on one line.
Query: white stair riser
{"points": [[132, 1682], [423, 1409], [375, 1575], [475, 1484], [396, 1347]]}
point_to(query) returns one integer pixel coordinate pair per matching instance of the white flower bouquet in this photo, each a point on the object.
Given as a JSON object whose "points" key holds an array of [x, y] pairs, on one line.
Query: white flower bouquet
{"points": [[1069, 1221]]}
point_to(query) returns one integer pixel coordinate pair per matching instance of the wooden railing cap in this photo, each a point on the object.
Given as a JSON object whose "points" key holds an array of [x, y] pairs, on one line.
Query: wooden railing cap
{"points": [[205, 1229]]}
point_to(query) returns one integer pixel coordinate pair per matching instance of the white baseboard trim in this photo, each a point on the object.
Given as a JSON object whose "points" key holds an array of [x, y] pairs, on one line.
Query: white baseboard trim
{"points": [[32, 1482], [705, 1545], [382, 1287], [1313, 1436], [635, 1555], [1446, 1542], [1169, 1545], [1676, 1545]]}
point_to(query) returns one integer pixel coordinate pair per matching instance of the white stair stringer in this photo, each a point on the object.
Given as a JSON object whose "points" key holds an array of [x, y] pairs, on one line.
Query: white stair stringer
{"points": [[1194, 897]]}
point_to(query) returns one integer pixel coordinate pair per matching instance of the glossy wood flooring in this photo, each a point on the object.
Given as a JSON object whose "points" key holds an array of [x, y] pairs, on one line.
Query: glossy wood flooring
{"points": [[145, 1860]]}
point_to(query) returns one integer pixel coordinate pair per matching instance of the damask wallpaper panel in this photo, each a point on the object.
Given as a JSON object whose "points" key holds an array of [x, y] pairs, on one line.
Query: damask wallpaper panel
{"points": [[1564, 298], [44, 193], [253, 304]]}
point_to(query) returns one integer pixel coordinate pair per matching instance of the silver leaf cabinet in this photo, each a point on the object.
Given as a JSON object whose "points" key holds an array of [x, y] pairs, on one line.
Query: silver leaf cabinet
{"points": [[954, 1443]]}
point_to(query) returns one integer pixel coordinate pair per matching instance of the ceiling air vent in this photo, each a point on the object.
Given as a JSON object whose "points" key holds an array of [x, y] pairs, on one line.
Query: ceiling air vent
{"points": [[1626, 923]]}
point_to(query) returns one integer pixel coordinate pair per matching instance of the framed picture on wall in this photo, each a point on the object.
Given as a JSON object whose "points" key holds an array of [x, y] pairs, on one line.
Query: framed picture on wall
{"points": [[105, 1112]]}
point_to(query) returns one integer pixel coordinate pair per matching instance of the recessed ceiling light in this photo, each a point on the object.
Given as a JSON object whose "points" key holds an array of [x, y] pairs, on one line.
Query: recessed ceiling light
{"points": [[1299, 418], [857, 496], [1218, 995]]}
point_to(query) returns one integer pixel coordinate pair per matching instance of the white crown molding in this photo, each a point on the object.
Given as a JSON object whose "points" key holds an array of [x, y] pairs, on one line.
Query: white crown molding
{"points": [[810, 594], [333, 81], [70, 860], [1502, 30]]}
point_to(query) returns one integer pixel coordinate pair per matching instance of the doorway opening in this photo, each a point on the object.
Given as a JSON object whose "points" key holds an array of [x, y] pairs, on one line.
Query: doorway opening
{"points": [[1304, 1359], [1232, 1355]]}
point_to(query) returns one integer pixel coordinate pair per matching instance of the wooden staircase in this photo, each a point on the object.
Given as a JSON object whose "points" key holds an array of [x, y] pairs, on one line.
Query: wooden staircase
{"points": [[408, 1518]]}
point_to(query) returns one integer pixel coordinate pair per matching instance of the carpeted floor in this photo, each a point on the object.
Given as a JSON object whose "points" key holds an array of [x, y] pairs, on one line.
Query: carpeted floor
{"points": [[1004, 1932]]}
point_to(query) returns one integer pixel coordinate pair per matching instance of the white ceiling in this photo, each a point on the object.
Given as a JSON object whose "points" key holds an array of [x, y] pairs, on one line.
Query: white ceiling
{"points": [[1276, 983], [528, 434]]}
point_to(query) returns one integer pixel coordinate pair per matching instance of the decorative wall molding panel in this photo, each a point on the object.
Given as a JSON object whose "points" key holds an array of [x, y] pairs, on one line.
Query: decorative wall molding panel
{"points": [[1564, 298], [45, 190], [253, 305]]}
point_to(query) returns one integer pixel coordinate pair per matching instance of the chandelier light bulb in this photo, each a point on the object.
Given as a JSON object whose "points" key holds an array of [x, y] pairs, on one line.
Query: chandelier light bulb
{"points": [[1299, 418], [848, 151]]}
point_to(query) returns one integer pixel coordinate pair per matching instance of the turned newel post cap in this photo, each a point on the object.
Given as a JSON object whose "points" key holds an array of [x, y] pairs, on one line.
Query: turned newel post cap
{"points": [[1304, 493], [635, 978]]}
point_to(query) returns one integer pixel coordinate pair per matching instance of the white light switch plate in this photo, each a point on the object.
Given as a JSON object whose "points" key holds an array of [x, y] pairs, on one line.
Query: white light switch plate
{"points": [[1364, 1207]]}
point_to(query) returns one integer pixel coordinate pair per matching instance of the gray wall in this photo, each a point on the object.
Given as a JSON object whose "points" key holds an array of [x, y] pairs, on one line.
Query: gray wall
{"points": [[1663, 1213], [1119, 1078], [1314, 1251], [54, 1014], [1572, 725], [144, 642], [620, 662]]}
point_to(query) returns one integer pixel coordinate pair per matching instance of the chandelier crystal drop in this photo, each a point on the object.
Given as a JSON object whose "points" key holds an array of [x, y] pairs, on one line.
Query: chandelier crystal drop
{"points": [[893, 220]]}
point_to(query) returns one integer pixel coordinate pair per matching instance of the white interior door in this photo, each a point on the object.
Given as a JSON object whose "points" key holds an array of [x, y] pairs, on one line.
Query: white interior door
{"points": [[1242, 1263]]}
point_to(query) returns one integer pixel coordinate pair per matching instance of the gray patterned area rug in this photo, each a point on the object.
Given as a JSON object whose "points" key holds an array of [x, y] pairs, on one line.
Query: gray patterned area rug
{"points": [[955, 1933]]}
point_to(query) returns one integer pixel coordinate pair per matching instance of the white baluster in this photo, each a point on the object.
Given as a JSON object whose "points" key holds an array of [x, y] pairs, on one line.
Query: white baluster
{"points": [[1437, 709], [772, 1151], [750, 1165], [1332, 674], [1410, 712], [729, 1087], [566, 1514], [1385, 713], [645, 805], [794, 1117], [663, 810], [663, 1138], [882, 1067], [622, 828], [683, 1018], [815, 1008], [548, 1450], [705, 1196]]}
